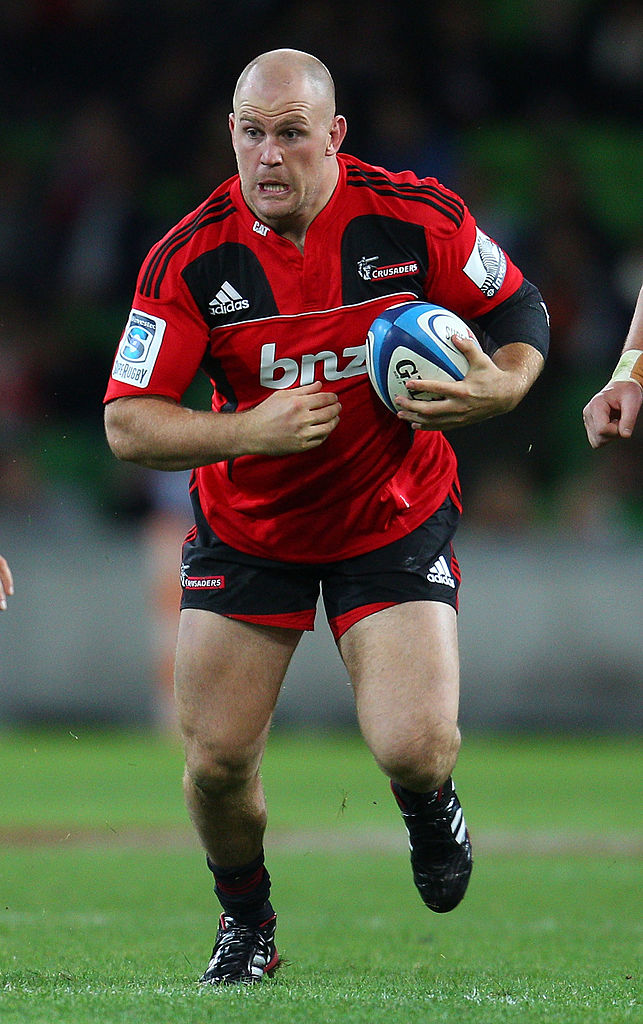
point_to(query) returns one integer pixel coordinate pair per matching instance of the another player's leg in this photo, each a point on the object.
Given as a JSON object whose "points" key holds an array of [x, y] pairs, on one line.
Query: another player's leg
{"points": [[403, 662], [228, 676]]}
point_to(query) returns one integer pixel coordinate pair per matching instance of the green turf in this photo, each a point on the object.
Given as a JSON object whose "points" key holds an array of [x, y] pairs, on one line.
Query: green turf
{"points": [[80, 777], [116, 931]]}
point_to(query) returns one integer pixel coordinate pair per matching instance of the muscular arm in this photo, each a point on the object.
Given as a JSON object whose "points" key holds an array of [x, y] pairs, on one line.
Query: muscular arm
{"points": [[516, 333], [159, 433], [491, 387], [520, 365]]}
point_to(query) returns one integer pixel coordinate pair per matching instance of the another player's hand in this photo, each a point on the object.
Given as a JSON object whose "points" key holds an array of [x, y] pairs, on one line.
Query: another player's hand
{"points": [[612, 412], [6, 583], [487, 390], [294, 420]]}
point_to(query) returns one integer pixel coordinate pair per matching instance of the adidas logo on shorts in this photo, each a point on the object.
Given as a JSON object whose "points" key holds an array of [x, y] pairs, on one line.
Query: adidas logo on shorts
{"points": [[440, 573]]}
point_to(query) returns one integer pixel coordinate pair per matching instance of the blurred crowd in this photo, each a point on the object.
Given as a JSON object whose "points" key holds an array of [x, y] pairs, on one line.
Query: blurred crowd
{"points": [[114, 124]]}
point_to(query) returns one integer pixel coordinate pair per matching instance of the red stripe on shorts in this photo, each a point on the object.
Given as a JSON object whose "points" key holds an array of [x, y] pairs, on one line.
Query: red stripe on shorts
{"points": [[288, 620], [343, 622]]}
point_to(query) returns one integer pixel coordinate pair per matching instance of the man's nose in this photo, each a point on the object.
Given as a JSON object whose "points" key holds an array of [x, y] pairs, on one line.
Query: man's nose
{"points": [[271, 154]]}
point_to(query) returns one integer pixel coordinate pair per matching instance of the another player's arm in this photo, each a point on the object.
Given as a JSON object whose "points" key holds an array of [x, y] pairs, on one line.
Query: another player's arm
{"points": [[518, 334], [159, 433], [614, 410], [6, 583]]}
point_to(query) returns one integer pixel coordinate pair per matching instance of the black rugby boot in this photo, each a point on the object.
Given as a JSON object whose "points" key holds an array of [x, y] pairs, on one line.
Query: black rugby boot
{"points": [[242, 954], [440, 845]]}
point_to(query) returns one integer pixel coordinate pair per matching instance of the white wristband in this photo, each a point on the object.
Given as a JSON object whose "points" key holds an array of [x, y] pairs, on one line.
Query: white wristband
{"points": [[629, 367]]}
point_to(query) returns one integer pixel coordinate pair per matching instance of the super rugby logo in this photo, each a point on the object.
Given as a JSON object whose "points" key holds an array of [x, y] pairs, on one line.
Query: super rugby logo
{"points": [[138, 349], [136, 343], [369, 272], [284, 372]]}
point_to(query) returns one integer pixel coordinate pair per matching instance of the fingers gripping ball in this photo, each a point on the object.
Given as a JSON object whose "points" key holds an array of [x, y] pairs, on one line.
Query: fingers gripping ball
{"points": [[413, 341]]}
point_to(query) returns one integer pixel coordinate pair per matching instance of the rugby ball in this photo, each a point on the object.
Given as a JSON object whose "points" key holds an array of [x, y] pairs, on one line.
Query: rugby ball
{"points": [[412, 341]]}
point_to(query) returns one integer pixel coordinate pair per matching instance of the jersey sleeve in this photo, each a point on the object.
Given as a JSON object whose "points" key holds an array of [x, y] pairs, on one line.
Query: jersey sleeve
{"points": [[162, 345], [469, 272]]}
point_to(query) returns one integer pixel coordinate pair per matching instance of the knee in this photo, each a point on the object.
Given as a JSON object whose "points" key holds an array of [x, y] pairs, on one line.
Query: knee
{"points": [[215, 772], [423, 761]]}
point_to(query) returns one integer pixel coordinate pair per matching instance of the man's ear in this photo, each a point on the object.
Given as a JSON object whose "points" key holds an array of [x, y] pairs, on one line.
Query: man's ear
{"points": [[337, 134]]}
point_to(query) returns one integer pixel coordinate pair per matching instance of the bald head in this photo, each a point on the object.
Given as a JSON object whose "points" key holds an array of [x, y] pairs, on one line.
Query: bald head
{"points": [[286, 136], [279, 70]]}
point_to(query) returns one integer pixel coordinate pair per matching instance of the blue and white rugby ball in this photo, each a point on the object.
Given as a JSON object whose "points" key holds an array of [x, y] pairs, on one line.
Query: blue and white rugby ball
{"points": [[412, 341]]}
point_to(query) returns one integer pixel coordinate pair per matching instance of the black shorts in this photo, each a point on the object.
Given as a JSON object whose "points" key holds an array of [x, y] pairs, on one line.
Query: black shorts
{"points": [[418, 567]]}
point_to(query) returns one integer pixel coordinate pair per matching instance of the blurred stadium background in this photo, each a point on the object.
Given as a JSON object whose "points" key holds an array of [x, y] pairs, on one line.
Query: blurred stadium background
{"points": [[113, 124]]}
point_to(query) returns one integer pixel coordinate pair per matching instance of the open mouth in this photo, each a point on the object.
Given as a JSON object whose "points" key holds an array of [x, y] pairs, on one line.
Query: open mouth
{"points": [[272, 188]]}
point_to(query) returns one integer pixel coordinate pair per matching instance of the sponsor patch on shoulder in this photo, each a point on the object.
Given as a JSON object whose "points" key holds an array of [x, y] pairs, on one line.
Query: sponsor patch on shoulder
{"points": [[138, 349], [487, 265]]}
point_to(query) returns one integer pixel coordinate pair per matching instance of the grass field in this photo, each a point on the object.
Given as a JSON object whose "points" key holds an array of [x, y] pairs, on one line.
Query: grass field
{"points": [[106, 911]]}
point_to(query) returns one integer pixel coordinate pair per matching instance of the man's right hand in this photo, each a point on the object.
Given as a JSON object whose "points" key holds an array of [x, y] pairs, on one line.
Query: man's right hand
{"points": [[292, 420], [612, 412]]}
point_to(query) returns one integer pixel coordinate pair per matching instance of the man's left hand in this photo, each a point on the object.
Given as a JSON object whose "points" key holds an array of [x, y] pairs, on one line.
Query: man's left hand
{"points": [[491, 387]]}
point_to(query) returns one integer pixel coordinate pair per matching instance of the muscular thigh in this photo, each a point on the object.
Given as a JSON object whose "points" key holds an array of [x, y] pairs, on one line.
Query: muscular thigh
{"points": [[227, 680], [403, 664], [418, 567]]}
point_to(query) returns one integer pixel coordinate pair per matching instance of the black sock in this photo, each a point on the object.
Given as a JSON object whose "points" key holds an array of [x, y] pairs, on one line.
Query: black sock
{"points": [[408, 799], [244, 891]]}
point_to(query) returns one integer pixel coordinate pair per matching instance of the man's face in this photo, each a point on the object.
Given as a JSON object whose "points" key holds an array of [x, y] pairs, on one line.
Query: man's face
{"points": [[285, 138]]}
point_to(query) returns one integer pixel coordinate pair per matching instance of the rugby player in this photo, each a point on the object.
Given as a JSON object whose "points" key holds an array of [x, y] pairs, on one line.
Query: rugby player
{"points": [[303, 480]]}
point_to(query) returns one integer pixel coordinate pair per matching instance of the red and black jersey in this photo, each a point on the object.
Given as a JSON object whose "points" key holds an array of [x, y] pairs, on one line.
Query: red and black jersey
{"points": [[225, 293]]}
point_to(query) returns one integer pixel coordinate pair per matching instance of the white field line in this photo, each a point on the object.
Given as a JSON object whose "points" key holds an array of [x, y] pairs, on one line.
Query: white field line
{"points": [[339, 840]]}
